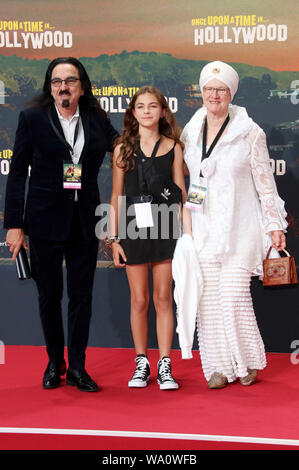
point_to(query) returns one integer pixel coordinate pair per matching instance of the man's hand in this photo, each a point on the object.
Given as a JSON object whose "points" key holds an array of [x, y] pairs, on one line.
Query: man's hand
{"points": [[15, 238]]}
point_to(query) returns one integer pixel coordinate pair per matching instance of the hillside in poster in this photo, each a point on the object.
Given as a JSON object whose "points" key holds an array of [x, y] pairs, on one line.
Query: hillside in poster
{"points": [[268, 95], [126, 44]]}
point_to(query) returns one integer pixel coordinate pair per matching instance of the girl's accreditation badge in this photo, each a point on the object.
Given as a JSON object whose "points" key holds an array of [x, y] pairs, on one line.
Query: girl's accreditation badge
{"points": [[196, 194], [143, 211], [72, 173]]}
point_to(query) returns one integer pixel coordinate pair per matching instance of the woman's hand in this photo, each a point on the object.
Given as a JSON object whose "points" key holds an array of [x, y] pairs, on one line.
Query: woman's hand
{"points": [[119, 257], [278, 239], [15, 238]]}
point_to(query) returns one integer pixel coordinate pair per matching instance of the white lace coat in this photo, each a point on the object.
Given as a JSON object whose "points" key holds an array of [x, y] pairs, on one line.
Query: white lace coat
{"points": [[242, 205]]}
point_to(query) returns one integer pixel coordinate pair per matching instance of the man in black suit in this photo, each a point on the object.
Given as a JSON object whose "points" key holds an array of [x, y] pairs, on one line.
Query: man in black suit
{"points": [[64, 125]]}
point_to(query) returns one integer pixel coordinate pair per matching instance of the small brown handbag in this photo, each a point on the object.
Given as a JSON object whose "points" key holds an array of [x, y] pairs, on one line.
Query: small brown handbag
{"points": [[279, 271]]}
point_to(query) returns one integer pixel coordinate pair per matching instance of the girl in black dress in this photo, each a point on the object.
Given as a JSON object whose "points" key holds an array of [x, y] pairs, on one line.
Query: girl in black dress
{"points": [[151, 134]]}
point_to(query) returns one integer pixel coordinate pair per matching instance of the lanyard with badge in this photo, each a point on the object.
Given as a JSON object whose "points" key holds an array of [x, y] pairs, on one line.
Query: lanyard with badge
{"points": [[142, 203], [197, 192], [72, 172]]}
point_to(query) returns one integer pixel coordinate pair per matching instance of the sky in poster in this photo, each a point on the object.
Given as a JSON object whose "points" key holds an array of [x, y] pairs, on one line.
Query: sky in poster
{"points": [[110, 26]]}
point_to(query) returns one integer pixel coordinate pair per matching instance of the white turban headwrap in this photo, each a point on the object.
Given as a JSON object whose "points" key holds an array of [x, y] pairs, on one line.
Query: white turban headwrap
{"points": [[223, 72]]}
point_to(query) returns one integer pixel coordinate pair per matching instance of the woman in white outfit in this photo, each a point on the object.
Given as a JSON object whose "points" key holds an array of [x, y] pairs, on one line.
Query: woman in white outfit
{"points": [[241, 216]]}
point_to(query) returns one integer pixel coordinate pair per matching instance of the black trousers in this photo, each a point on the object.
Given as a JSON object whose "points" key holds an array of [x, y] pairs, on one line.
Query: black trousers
{"points": [[46, 263]]}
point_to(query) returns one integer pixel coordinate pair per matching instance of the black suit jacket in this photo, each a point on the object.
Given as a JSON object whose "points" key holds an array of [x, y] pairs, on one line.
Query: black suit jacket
{"points": [[49, 207]]}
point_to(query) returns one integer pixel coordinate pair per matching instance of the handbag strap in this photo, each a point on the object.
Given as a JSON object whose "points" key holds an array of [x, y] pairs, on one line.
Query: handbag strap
{"points": [[155, 150], [141, 181], [286, 252], [141, 157]]}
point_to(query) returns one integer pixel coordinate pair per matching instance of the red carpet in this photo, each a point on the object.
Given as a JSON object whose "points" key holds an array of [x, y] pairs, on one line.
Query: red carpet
{"points": [[263, 416]]}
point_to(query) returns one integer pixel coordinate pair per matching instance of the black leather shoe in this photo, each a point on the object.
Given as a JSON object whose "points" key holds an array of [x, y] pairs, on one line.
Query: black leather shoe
{"points": [[81, 380], [53, 374]]}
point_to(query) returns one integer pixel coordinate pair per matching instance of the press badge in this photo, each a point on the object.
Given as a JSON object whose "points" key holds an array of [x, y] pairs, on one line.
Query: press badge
{"points": [[143, 211], [72, 175], [196, 194]]}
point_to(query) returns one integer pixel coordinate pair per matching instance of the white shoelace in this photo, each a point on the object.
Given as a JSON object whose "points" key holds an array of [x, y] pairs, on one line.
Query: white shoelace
{"points": [[165, 370], [140, 371]]}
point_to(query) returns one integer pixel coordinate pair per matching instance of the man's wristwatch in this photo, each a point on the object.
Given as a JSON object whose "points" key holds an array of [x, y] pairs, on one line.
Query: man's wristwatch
{"points": [[112, 239]]}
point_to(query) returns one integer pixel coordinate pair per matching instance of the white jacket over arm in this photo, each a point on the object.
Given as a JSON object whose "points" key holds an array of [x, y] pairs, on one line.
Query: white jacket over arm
{"points": [[188, 287]]}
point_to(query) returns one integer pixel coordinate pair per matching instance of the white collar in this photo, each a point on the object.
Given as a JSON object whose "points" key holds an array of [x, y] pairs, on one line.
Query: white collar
{"points": [[240, 124], [75, 115]]}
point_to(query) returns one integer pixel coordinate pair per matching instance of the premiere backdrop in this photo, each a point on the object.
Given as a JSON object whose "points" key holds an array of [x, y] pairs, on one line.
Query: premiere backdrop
{"points": [[125, 44]]}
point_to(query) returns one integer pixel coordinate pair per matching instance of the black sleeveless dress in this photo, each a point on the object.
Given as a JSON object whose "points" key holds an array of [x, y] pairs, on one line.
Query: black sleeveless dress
{"points": [[149, 245]]}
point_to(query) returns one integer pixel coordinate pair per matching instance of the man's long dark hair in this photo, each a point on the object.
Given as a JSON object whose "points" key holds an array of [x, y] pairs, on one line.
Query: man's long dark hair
{"points": [[45, 99]]}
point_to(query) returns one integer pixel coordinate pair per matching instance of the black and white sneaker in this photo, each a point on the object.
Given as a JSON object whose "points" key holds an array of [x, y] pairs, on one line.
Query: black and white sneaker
{"points": [[142, 372], [165, 379]]}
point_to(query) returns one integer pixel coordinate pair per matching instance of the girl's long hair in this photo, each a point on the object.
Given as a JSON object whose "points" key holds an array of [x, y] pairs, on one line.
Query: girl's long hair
{"points": [[129, 139]]}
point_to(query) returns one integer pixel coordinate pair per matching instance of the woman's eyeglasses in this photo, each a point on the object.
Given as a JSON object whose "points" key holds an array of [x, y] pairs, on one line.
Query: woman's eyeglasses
{"points": [[220, 91]]}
